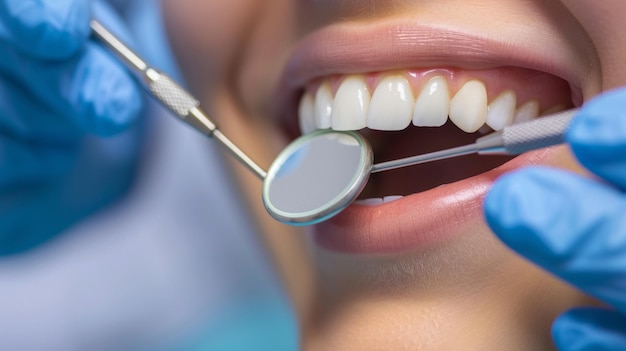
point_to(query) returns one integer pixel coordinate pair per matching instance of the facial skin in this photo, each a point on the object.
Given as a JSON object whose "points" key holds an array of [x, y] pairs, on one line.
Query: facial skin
{"points": [[463, 289]]}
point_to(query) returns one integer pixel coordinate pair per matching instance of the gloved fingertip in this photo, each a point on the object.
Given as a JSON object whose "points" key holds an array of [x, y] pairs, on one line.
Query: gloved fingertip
{"points": [[49, 29], [567, 335], [506, 206], [117, 109], [598, 136], [102, 95], [495, 206], [600, 121], [586, 329], [525, 208]]}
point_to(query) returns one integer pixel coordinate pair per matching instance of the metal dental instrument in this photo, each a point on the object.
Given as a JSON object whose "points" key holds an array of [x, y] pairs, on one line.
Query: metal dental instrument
{"points": [[511, 140], [178, 100], [337, 165], [320, 174], [276, 188]]}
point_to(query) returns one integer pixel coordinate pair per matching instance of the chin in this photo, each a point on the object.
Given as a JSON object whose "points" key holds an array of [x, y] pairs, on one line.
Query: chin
{"points": [[444, 269]]}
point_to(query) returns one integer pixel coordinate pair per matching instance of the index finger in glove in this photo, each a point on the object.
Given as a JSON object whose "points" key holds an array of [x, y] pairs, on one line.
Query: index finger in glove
{"points": [[91, 89], [598, 136], [46, 29], [571, 226], [590, 329]]}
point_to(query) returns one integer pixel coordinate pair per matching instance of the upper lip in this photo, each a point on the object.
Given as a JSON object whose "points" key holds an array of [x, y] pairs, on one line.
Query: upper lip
{"points": [[402, 44]]}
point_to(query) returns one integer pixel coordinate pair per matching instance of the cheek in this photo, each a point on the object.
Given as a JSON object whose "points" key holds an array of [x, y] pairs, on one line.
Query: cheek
{"points": [[232, 47], [604, 22], [207, 37], [268, 46]]}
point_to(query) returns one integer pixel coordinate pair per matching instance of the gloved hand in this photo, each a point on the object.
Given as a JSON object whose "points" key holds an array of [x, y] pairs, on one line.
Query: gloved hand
{"points": [[58, 90], [575, 227]]}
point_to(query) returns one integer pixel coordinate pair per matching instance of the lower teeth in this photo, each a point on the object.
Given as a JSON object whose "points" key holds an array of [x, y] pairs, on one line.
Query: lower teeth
{"points": [[379, 201]]}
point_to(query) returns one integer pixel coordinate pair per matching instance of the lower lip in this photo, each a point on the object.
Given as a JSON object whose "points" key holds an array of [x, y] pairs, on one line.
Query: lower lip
{"points": [[417, 221]]}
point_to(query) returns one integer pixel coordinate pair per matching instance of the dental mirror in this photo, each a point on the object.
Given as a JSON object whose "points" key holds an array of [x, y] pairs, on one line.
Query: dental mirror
{"points": [[320, 174], [317, 176]]}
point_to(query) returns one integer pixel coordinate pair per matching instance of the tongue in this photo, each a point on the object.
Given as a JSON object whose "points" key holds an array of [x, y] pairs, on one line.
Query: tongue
{"points": [[415, 141]]}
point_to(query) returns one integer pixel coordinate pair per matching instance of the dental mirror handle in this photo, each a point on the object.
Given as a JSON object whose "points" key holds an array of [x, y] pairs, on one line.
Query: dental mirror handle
{"points": [[174, 97], [511, 140]]}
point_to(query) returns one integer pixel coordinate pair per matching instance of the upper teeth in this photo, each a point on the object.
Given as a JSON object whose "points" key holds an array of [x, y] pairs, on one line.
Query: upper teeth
{"points": [[394, 106], [433, 104]]}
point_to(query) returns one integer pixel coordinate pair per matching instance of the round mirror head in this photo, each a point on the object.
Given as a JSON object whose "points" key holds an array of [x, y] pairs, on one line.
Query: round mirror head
{"points": [[317, 176]]}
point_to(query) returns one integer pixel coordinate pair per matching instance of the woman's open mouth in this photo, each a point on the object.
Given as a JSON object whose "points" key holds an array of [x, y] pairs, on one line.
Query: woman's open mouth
{"points": [[421, 108], [405, 113]]}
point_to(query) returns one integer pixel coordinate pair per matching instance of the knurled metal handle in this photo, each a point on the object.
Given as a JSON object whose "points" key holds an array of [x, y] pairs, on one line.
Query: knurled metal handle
{"points": [[540, 133], [170, 93]]}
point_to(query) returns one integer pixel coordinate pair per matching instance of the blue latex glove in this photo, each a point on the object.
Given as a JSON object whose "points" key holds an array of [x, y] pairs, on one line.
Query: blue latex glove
{"points": [[57, 91], [575, 227]]}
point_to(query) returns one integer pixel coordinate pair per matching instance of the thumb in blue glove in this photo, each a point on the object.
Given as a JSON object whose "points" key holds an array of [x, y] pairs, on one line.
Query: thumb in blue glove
{"points": [[47, 56], [47, 29], [575, 227], [57, 89]]}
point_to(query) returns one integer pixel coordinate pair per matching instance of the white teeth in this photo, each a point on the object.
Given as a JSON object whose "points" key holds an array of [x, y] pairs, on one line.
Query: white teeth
{"points": [[307, 114], [323, 106], [351, 104], [468, 108], [378, 201], [433, 104], [527, 112], [502, 110], [392, 105], [388, 199]]}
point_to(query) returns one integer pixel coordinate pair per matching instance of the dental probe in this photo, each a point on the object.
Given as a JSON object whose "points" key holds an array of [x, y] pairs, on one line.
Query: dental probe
{"points": [[178, 100], [511, 140]]}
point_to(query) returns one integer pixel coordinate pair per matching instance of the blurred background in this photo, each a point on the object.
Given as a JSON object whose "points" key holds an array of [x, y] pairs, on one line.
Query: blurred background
{"points": [[171, 266]]}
